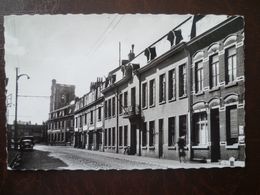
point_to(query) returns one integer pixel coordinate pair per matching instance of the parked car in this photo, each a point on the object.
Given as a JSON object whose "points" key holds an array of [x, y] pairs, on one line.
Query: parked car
{"points": [[26, 143]]}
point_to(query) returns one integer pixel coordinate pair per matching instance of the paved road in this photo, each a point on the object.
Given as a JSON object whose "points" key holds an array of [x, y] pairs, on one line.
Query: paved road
{"points": [[64, 157]]}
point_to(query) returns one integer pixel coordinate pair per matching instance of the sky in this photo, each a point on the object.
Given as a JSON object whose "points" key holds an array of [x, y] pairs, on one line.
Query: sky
{"points": [[73, 49]]}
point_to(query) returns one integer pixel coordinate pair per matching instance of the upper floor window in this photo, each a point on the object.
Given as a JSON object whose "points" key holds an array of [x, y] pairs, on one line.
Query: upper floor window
{"points": [[198, 76], [99, 113], [152, 93], [144, 95], [113, 106], [120, 103], [91, 117], [105, 109], [214, 70], [85, 118], [231, 64], [182, 80], [172, 85], [125, 99], [109, 108], [162, 88]]}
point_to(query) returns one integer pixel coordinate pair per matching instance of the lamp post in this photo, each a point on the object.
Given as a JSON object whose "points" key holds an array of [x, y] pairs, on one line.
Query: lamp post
{"points": [[16, 100]]}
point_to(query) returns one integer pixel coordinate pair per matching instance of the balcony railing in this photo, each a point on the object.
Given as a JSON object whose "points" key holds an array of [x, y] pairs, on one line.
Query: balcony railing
{"points": [[131, 111]]}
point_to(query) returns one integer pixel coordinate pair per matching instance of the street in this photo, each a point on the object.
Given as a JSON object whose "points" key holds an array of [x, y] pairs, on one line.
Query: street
{"points": [[45, 157]]}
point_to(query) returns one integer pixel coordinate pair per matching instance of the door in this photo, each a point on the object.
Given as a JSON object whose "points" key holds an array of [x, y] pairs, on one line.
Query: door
{"points": [[215, 147], [160, 138], [133, 101], [133, 139]]}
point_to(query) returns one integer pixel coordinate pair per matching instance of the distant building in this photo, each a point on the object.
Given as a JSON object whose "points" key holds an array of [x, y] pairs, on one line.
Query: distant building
{"points": [[60, 123], [38, 131]]}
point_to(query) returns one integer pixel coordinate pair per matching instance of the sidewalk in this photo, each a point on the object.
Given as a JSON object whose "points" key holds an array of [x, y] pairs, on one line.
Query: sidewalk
{"points": [[166, 163]]}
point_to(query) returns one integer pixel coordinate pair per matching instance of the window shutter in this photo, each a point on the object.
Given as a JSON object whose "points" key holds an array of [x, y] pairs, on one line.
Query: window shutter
{"points": [[233, 124]]}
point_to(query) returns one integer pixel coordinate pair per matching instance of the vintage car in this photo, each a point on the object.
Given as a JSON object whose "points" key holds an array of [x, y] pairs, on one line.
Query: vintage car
{"points": [[26, 143]]}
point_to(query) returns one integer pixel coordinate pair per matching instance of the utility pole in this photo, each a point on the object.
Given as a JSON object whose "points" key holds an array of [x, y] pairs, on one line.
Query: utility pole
{"points": [[16, 108]]}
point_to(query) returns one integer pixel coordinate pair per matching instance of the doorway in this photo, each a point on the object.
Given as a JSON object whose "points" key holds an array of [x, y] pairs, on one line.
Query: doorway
{"points": [[133, 139], [160, 138], [215, 147]]}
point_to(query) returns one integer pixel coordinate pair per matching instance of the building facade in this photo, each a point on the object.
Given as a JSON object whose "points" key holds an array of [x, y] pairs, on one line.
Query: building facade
{"points": [[217, 72], [189, 84], [60, 123], [88, 117]]}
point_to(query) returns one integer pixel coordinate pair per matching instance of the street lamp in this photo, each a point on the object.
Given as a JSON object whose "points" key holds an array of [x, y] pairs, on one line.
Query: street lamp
{"points": [[16, 100]]}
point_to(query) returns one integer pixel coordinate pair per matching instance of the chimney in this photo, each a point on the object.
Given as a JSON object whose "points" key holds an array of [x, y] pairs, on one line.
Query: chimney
{"points": [[131, 54]]}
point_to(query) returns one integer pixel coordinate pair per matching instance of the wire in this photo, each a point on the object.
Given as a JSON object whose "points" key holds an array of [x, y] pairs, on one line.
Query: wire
{"points": [[107, 33], [34, 96], [101, 36]]}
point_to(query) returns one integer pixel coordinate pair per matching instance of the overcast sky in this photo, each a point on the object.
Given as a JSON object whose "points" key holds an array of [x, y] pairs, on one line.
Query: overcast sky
{"points": [[73, 49]]}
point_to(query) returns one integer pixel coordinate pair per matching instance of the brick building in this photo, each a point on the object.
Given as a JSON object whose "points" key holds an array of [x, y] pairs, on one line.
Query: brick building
{"points": [[217, 64], [60, 123]]}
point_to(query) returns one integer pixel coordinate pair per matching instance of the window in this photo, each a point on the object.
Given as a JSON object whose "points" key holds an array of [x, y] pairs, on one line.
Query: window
{"points": [[183, 126], [76, 121], [91, 117], [85, 118], [198, 76], [172, 85], [231, 64], [109, 136], [144, 136], [125, 99], [232, 125], [105, 139], [162, 88], [120, 136], [144, 95], [151, 133], [80, 121], [152, 93], [99, 113], [113, 106], [201, 129], [125, 135], [182, 80], [214, 70], [120, 103], [105, 109], [113, 136], [171, 131], [109, 108]]}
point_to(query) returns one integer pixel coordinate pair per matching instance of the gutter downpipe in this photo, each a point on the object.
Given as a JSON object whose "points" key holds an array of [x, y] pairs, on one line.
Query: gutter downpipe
{"points": [[189, 92]]}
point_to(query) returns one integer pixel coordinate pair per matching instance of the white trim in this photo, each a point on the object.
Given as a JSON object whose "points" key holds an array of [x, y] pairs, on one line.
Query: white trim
{"points": [[206, 88], [200, 147], [200, 110], [234, 146], [240, 78], [205, 60], [239, 44], [221, 52]]}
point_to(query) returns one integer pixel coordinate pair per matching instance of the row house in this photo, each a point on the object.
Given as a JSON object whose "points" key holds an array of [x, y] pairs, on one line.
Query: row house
{"points": [[217, 101], [189, 83], [194, 89], [88, 118], [119, 134]]}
